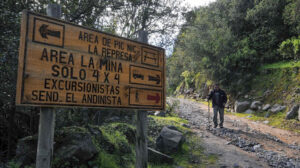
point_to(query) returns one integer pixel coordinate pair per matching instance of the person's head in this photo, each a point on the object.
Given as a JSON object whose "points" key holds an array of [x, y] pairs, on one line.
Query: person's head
{"points": [[216, 87]]}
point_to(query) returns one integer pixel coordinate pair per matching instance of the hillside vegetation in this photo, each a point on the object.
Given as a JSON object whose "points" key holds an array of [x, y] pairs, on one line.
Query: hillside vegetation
{"points": [[251, 48], [231, 41]]}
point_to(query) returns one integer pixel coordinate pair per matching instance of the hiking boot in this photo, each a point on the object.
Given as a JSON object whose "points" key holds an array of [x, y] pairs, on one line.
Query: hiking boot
{"points": [[215, 126], [221, 126]]}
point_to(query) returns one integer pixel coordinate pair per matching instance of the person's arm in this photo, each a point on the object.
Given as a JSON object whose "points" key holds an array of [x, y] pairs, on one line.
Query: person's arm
{"points": [[210, 95], [225, 98]]}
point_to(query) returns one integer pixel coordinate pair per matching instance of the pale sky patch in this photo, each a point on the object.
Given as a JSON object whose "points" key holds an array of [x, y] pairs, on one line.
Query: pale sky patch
{"points": [[197, 3]]}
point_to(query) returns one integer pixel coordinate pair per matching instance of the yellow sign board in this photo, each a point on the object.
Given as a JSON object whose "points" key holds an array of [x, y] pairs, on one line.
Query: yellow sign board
{"points": [[63, 64]]}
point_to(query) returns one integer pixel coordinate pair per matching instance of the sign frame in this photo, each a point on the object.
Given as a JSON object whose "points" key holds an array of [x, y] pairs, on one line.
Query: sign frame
{"points": [[23, 47]]}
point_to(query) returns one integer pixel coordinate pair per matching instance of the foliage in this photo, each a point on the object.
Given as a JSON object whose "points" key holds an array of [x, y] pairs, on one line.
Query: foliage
{"points": [[188, 78], [290, 49], [282, 65], [228, 41]]}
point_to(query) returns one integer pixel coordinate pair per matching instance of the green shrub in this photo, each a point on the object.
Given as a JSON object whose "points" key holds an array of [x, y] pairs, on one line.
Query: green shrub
{"points": [[290, 48]]}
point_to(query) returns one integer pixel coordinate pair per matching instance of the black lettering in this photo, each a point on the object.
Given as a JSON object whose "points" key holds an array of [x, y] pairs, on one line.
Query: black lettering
{"points": [[54, 83], [44, 55], [55, 69], [41, 95], [86, 36], [91, 36], [96, 75], [82, 64], [64, 72], [71, 59], [119, 101], [117, 90], [53, 54], [34, 95], [80, 36], [117, 78], [72, 74], [120, 69], [62, 57], [96, 39], [106, 74], [82, 74], [46, 83], [91, 63]]}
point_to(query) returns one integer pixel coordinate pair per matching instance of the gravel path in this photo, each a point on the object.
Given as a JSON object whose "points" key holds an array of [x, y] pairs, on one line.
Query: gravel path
{"points": [[241, 143]]}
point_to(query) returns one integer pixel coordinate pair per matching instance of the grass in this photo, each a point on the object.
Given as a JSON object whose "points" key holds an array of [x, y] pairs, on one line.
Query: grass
{"points": [[282, 65]]}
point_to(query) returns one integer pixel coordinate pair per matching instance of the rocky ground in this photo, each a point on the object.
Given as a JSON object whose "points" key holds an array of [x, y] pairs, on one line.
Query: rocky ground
{"points": [[242, 143]]}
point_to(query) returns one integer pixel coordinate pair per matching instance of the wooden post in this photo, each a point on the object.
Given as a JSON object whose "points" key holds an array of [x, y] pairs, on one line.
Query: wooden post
{"points": [[141, 149], [47, 117]]}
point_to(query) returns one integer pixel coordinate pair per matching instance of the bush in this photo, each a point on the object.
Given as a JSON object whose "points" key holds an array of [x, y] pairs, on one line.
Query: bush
{"points": [[290, 49]]}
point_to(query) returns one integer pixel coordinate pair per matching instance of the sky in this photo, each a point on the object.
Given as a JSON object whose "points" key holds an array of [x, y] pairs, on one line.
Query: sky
{"points": [[196, 3]]}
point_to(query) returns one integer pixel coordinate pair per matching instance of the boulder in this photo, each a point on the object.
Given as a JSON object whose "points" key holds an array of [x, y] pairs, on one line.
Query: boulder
{"points": [[240, 107], [26, 150], [267, 115], [277, 108], [256, 105], [169, 140], [155, 156], [249, 111], [292, 113], [160, 113], [266, 107], [77, 145]]}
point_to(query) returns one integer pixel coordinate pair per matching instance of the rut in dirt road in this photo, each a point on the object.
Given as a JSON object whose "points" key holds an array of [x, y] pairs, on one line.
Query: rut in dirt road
{"points": [[262, 149]]}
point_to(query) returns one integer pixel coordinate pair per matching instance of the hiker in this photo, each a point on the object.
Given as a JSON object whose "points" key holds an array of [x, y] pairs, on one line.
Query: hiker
{"points": [[219, 99]]}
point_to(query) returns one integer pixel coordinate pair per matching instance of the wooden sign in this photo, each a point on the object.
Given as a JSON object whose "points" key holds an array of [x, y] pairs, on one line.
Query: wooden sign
{"points": [[63, 64]]}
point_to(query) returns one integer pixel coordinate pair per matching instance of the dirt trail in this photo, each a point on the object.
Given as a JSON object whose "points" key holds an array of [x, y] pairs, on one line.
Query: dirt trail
{"points": [[242, 143]]}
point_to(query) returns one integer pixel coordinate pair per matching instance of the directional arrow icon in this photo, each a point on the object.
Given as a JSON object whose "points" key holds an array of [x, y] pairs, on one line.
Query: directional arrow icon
{"points": [[154, 78], [44, 31], [156, 98]]}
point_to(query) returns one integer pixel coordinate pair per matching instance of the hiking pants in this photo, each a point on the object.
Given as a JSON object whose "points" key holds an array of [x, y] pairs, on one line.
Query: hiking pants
{"points": [[221, 113]]}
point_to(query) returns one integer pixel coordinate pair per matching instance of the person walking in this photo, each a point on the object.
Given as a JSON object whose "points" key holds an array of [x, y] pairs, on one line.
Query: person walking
{"points": [[219, 99]]}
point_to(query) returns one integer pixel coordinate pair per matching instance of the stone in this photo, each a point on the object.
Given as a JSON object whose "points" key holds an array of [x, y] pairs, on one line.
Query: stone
{"points": [[169, 140], [292, 113], [297, 91], [267, 115], [235, 165], [249, 111], [160, 113], [277, 108], [185, 125], [26, 150], [113, 119], [256, 105], [240, 107], [266, 122], [77, 145], [155, 156], [256, 147], [266, 107]]}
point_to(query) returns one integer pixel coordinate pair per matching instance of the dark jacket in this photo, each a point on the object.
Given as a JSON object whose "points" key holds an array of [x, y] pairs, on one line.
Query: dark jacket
{"points": [[218, 101]]}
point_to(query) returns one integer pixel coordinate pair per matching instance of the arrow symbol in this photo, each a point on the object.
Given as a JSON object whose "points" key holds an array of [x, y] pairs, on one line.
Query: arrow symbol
{"points": [[154, 78], [156, 98], [44, 31], [137, 75]]}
